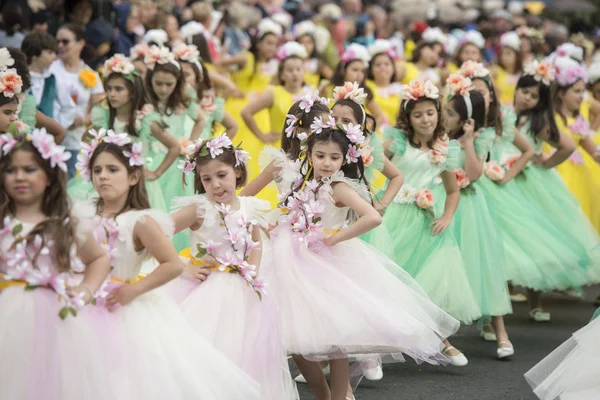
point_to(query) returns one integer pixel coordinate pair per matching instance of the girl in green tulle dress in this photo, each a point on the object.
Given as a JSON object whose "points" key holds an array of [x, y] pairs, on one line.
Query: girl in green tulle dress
{"points": [[423, 244], [125, 112], [476, 232]]}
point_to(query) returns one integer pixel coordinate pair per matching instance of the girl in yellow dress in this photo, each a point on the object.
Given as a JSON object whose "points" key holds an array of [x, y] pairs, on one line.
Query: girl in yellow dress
{"points": [[509, 68], [423, 66], [305, 33], [381, 80], [470, 49], [353, 67], [581, 171], [276, 100]]}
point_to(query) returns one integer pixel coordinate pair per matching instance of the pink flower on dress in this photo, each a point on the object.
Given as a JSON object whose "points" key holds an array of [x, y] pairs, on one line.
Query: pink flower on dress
{"points": [[494, 171], [210, 246], [259, 286], [462, 178], [510, 162], [580, 127], [424, 199], [314, 208], [577, 158]]}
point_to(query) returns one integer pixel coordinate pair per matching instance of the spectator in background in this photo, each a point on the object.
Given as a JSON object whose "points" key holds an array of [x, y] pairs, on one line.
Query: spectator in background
{"points": [[39, 21], [130, 28], [11, 34], [330, 17], [40, 50], [100, 37], [79, 12]]}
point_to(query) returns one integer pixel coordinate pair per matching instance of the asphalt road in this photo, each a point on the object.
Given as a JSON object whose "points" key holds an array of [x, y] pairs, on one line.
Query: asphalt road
{"points": [[485, 378]]}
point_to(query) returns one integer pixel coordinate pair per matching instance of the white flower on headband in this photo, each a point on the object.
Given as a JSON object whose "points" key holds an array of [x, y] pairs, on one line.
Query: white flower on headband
{"points": [[135, 156], [459, 84], [241, 157], [10, 82], [6, 60], [139, 51], [157, 36], [471, 69], [434, 35], [290, 125], [318, 125], [216, 145], [473, 37], [569, 71], [382, 46], [350, 91], [356, 51], [43, 142], [191, 29], [417, 89], [214, 148], [118, 64], [160, 55], [304, 28], [266, 26], [542, 72], [291, 49], [511, 39], [188, 53], [308, 100], [7, 143]]}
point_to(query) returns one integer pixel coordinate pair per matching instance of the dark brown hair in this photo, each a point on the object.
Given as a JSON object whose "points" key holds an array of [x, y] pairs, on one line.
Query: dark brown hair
{"points": [[457, 59], [4, 100], [291, 145], [416, 54], [370, 70], [227, 157], [494, 112], [518, 61], [137, 96], [21, 66], [404, 121], [281, 66], [178, 97], [339, 78], [358, 110], [35, 43], [59, 227], [137, 198]]}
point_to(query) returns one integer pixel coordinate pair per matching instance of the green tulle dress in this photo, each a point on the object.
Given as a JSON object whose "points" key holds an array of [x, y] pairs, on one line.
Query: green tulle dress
{"points": [[434, 261], [28, 111]]}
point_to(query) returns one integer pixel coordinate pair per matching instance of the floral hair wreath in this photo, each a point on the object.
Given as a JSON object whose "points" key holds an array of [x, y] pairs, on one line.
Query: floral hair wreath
{"points": [[416, 90], [212, 148], [460, 85], [188, 53], [291, 49], [106, 136], [351, 91], [11, 83], [306, 103], [119, 64], [266, 26], [471, 69], [542, 72], [160, 55], [354, 133], [568, 71], [139, 51], [356, 51], [382, 46], [42, 141]]}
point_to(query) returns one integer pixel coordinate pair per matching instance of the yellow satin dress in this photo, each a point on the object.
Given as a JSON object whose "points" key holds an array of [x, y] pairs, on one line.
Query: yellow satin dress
{"points": [[312, 76], [506, 84]]}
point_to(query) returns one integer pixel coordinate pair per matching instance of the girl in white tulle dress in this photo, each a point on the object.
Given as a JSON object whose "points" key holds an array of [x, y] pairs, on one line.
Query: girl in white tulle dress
{"points": [[337, 295], [50, 266], [153, 352], [230, 308]]}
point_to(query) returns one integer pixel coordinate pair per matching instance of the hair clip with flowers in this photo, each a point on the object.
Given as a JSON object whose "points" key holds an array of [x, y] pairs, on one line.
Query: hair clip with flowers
{"points": [[42, 141], [6, 61], [542, 72], [10, 82], [291, 49], [160, 55], [119, 64], [106, 136], [354, 133], [188, 53], [212, 148], [420, 89], [460, 85]]}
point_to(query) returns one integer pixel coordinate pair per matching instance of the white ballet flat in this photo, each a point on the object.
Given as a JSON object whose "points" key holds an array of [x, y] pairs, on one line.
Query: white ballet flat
{"points": [[459, 360], [301, 379], [489, 335], [374, 374], [539, 315], [518, 298], [504, 352]]}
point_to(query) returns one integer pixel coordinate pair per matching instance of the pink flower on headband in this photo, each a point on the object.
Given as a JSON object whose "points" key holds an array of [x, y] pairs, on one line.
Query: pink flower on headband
{"points": [[160, 55], [241, 157], [7, 143], [118, 64], [309, 99], [135, 156], [542, 72], [350, 91], [10, 83], [290, 125], [138, 52], [216, 145], [570, 75], [417, 89], [471, 69], [459, 85]]}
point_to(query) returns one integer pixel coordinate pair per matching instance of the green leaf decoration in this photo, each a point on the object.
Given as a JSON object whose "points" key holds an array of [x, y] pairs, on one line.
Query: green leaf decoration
{"points": [[13, 130], [72, 311], [30, 288], [201, 251], [63, 313], [17, 229], [317, 219], [259, 295]]}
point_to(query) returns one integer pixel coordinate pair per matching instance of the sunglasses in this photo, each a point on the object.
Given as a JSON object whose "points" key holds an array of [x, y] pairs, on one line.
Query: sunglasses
{"points": [[64, 42]]}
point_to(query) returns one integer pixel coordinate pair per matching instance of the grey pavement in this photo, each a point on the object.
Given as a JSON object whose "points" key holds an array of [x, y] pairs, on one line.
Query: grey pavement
{"points": [[485, 378]]}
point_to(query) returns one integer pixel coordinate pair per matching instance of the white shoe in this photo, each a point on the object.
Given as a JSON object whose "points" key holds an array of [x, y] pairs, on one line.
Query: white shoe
{"points": [[518, 298], [374, 374], [301, 379], [487, 333], [459, 360], [539, 315], [504, 352]]}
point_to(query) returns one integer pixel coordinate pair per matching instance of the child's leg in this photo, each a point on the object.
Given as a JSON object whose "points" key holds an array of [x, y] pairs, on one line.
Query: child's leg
{"points": [[340, 377], [314, 377]]}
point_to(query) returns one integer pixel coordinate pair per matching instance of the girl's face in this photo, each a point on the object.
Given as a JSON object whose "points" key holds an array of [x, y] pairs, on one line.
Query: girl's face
{"points": [[508, 57], [141, 68], [163, 84], [596, 91], [483, 88], [111, 179], [573, 96], [343, 115], [470, 52], [8, 115], [208, 97], [117, 93], [526, 98], [219, 181], [382, 67], [46, 58], [267, 46], [308, 43], [68, 47], [453, 120], [429, 56], [327, 158], [25, 180], [525, 46], [355, 72], [293, 72], [189, 74], [424, 118]]}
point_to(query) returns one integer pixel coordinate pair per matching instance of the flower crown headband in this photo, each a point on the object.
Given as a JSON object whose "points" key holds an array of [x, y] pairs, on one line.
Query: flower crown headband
{"points": [[351, 91], [354, 133], [356, 51], [212, 148], [382, 46], [460, 85], [106, 136], [139, 51], [42, 141], [568, 71], [542, 72], [11, 83], [292, 122], [188, 53], [420, 89], [291, 49], [119, 64], [160, 55]]}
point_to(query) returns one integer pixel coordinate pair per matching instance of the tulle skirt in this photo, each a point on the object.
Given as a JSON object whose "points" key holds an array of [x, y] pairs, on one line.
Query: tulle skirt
{"points": [[349, 299], [155, 354], [230, 315], [572, 371]]}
